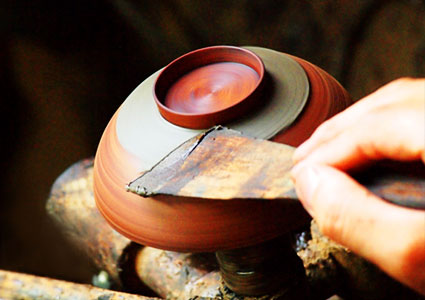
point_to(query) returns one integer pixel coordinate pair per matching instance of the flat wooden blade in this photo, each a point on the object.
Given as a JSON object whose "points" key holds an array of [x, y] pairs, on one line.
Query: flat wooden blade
{"points": [[221, 164]]}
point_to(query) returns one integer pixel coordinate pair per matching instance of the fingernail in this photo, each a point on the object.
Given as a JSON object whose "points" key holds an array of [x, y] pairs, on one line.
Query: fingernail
{"points": [[306, 179]]}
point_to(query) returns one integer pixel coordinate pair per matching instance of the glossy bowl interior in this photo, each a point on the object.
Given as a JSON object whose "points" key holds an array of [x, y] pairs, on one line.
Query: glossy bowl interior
{"points": [[192, 224], [209, 86]]}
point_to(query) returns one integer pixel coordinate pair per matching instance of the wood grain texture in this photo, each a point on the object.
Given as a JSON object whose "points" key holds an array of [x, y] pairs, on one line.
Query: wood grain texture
{"points": [[29, 287], [223, 164]]}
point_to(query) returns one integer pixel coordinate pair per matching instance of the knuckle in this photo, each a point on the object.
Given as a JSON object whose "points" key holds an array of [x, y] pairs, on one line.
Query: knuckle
{"points": [[403, 80], [404, 84], [395, 85]]}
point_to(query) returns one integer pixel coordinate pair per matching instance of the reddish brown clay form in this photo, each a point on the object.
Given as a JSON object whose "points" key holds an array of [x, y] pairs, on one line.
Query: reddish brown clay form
{"points": [[327, 97], [138, 136], [209, 86]]}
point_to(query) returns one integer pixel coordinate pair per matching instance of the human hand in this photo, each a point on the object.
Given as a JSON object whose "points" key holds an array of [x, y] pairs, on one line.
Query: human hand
{"points": [[388, 124]]}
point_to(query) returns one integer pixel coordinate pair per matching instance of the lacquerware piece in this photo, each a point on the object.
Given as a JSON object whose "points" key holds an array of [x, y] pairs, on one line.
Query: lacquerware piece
{"points": [[209, 86], [295, 95]]}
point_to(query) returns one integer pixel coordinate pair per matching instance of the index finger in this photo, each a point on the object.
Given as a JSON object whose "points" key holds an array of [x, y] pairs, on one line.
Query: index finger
{"points": [[387, 95]]}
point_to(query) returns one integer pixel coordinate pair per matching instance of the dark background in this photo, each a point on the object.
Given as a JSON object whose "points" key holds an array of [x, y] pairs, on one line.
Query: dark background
{"points": [[66, 66]]}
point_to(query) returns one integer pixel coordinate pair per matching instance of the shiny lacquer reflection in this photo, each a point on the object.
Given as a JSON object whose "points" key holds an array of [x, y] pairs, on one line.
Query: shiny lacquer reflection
{"points": [[212, 88]]}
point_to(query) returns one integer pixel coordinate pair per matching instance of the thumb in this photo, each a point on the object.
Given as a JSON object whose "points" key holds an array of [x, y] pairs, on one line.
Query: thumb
{"points": [[390, 236]]}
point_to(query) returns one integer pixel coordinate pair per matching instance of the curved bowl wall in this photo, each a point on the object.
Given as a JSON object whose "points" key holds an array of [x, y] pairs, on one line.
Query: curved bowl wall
{"points": [[199, 225]]}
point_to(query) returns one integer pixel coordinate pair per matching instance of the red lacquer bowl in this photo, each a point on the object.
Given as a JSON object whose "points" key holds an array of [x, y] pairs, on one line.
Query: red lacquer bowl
{"points": [[296, 97]]}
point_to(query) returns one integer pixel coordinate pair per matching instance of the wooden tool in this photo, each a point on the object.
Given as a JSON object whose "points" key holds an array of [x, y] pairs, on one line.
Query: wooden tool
{"points": [[224, 164]]}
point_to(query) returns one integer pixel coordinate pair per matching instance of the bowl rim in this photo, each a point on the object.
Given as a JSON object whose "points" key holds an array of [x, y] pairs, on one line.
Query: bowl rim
{"points": [[199, 58]]}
